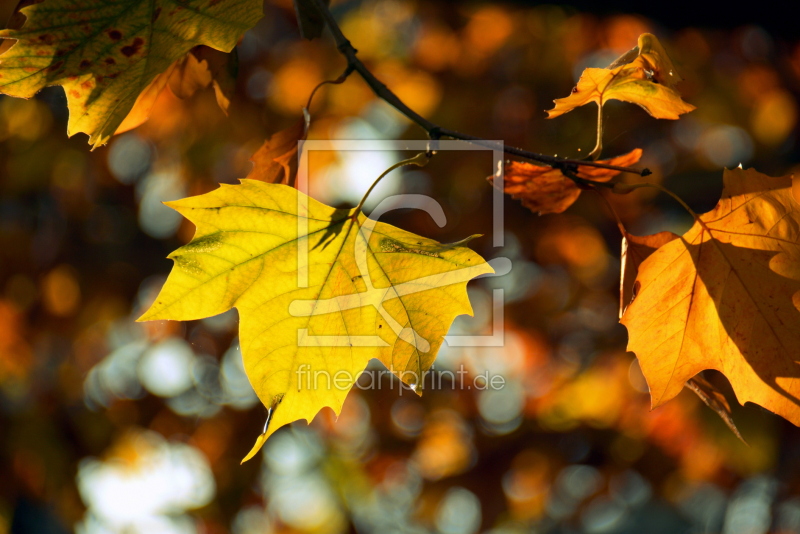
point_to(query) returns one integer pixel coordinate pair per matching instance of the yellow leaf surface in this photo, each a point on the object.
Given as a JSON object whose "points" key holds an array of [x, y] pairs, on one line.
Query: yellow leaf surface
{"points": [[726, 296], [546, 190], [320, 291], [644, 76], [106, 52]]}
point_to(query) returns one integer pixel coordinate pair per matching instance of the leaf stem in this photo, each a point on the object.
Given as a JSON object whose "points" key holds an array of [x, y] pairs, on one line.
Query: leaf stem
{"points": [[420, 160], [434, 130], [341, 79], [621, 188], [598, 147]]}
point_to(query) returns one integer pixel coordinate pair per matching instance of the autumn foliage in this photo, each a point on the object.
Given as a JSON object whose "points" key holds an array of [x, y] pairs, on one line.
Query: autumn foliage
{"points": [[334, 280]]}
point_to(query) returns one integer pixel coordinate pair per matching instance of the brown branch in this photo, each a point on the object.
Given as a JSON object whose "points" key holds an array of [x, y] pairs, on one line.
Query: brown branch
{"points": [[434, 130]]}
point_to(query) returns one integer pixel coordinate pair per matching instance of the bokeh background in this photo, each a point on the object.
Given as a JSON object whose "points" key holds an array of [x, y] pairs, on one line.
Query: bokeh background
{"points": [[113, 426]]}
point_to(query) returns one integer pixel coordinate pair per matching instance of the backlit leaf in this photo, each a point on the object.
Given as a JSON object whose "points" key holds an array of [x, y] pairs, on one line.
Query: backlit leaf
{"points": [[636, 249], [644, 76], [319, 294], [546, 190], [275, 161], [726, 296], [105, 53], [184, 78]]}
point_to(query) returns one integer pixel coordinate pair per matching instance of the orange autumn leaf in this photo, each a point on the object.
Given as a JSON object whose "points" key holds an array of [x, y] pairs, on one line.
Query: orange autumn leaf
{"points": [[644, 76], [726, 296], [546, 190], [275, 161], [636, 249], [197, 70]]}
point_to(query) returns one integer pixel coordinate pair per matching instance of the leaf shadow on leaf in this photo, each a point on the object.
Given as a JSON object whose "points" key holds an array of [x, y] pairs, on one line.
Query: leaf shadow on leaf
{"points": [[757, 307], [330, 233]]}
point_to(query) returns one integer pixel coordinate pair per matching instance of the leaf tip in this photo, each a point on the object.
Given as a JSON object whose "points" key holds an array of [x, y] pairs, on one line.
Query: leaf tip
{"points": [[257, 447]]}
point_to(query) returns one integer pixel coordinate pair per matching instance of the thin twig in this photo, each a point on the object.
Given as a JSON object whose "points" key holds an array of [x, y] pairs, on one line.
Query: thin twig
{"points": [[341, 79], [434, 130]]}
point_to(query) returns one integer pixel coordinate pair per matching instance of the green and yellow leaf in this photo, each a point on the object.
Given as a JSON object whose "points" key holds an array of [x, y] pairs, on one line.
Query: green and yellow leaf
{"points": [[106, 53], [644, 76], [320, 291]]}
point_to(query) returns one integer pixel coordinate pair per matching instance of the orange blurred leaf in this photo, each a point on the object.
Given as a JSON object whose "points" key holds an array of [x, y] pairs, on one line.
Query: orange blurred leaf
{"points": [[276, 161], [197, 70], [726, 296], [644, 76], [546, 190]]}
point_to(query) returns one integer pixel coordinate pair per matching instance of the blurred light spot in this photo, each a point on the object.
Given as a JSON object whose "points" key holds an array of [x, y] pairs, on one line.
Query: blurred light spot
{"points": [[579, 481], [346, 180], [636, 377], [222, 322], [686, 133], [292, 83], [725, 146], [488, 29], [407, 416], [774, 117], [258, 85], [436, 47], [252, 519], [527, 485], [602, 515], [307, 503], [445, 447], [502, 408], [147, 482], [156, 219], [28, 120], [704, 505], [291, 453], [630, 488], [788, 513], [116, 377], [353, 427], [418, 89], [192, 403], [60, 291], [581, 247], [459, 512], [749, 511], [622, 32], [129, 158], [165, 369], [236, 387]]}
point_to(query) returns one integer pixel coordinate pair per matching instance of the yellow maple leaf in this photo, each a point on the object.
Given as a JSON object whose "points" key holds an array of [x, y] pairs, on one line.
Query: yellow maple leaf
{"points": [[105, 53], [644, 76], [320, 291], [726, 296]]}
